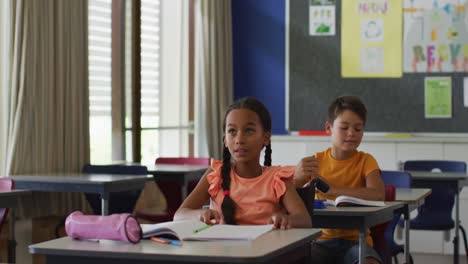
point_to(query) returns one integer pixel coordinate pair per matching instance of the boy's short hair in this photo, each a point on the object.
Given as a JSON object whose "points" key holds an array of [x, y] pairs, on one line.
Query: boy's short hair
{"points": [[352, 103]]}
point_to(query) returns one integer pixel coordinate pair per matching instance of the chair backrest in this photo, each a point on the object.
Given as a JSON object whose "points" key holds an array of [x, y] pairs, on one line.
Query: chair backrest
{"points": [[399, 179], [307, 195], [119, 202], [183, 160], [172, 190], [436, 213], [430, 165], [381, 244], [116, 169], [6, 184]]}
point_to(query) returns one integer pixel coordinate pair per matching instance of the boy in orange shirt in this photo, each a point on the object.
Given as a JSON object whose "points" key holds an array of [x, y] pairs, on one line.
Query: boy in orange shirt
{"points": [[348, 172]]}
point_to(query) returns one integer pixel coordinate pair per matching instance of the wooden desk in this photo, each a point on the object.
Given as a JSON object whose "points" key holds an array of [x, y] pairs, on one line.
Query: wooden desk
{"points": [[268, 248], [9, 199], [412, 199], [102, 184], [351, 217], [179, 173], [449, 180]]}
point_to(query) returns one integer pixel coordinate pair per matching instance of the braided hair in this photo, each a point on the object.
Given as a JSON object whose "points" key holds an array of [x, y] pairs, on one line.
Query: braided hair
{"points": [[228, 206]]}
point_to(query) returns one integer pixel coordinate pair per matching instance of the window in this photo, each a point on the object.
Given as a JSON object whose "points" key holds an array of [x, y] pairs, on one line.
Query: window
{"points": [[164, 87], [99, 56]]}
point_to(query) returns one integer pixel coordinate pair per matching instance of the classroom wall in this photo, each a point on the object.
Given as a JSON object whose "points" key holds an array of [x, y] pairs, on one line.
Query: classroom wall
{"points": [[258, 33]]}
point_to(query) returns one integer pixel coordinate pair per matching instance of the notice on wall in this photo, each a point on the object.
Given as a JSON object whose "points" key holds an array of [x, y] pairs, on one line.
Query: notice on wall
{"points": [[438, 97], [322, 17], [435, 36], [371, 41]]}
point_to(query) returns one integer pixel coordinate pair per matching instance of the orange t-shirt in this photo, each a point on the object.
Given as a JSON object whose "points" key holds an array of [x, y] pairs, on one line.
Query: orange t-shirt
{"points": [[256, 199], [350, 173]]}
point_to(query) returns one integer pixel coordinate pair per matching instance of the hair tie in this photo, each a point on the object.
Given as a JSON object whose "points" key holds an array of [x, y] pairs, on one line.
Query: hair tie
{"points": [[226, 192]]}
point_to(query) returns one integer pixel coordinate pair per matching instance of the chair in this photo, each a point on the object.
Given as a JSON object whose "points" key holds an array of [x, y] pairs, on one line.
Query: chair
{"points": [[307, 195], [172, 190], [119, 202], [6, 184], [399, 179], [378, 232], [436, 213]]}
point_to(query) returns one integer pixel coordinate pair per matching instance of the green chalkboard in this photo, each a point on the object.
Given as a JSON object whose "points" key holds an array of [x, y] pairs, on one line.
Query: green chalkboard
{"points": [[394, 104]]}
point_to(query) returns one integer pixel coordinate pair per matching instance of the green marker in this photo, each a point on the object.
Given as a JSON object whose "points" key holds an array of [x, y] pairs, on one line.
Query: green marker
{"points": [[201, 228]]}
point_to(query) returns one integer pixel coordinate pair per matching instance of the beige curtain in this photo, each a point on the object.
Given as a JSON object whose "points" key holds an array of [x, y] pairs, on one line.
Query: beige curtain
{"points": [[213, 71], [48, 127], [5, 56]]}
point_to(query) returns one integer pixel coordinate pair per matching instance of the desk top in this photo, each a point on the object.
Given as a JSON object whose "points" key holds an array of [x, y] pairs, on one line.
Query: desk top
{"points": [[358, 210], [263, 248], [411, 195], [78, 182], [354, 217], [81, 178]]}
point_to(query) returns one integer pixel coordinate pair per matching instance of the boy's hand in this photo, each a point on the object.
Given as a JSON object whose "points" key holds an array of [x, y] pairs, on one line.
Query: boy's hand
{"points": [[306, 170], [280, 221], [210, 217]]}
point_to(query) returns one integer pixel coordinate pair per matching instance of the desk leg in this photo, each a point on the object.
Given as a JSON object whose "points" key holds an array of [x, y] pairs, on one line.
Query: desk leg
{"points": [[362, 244], [12, 240], [104, 204], [407, 234], [457, 221]]}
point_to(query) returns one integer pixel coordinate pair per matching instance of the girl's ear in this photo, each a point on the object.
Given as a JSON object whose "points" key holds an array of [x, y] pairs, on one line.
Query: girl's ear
{"points": [[328, 127], [224, 141]]}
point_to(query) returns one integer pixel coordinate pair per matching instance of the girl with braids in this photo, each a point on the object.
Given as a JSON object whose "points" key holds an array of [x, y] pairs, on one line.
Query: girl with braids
{"points": [[240, 190]]}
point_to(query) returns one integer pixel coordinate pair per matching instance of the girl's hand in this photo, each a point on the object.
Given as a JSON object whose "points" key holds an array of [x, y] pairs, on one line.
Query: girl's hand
{"points": [[280, 221], [210, 217]]}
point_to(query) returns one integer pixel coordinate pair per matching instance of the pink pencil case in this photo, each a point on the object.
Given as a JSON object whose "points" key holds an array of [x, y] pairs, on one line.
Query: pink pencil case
{"points": [[122, 227]]}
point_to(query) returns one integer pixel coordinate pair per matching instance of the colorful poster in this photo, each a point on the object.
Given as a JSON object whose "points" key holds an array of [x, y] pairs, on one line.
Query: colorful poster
{"points": [[435, 36], [371, 41], [438, 97], [322, 17]]}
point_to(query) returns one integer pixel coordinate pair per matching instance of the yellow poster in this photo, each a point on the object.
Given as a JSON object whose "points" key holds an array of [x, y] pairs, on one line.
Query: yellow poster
{"points": [[371, 38]]}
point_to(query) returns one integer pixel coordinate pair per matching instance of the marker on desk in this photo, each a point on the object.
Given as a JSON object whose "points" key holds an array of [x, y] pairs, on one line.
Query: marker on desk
{"points": [[166, 241], [201, 228]]}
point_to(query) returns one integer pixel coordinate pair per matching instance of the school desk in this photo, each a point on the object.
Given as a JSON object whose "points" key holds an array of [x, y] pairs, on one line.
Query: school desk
{"points": [[102, 184], [355, 217], [180, 173], [449, 180], [412, 199], [276, 246], [9, 199]]}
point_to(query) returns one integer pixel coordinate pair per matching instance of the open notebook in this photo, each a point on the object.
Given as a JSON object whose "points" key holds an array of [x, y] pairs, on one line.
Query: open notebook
{"points": [[344, 200], [196, 230]]}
